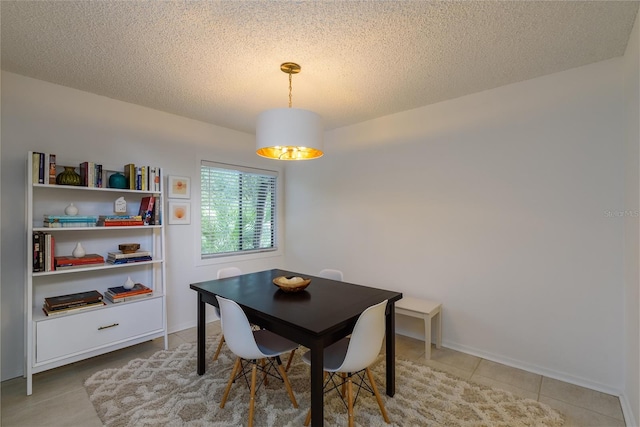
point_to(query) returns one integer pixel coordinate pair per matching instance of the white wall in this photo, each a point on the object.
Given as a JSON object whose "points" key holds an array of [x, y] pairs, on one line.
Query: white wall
{"points": [[80, 126], [631, 400], [503, 205]]}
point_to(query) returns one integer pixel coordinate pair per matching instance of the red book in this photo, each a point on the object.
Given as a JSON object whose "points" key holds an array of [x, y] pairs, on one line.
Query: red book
{"points": [[85, 260], [121, 223], [146, 209], [52, 168]]}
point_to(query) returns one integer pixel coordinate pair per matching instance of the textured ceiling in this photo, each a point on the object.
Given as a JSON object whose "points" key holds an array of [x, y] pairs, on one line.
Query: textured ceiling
{"points": [[218, 61]]}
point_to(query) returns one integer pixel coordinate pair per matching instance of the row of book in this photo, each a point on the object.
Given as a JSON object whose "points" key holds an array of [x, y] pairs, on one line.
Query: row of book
{"points": [[43, 168], [145, 178], [44, 258], [121, 294], [43, 245], [126, 258], [92, 174], [71, 303]]}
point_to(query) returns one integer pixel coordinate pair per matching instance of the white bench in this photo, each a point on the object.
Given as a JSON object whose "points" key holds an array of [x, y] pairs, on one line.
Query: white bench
{"points": [[426, 310]]}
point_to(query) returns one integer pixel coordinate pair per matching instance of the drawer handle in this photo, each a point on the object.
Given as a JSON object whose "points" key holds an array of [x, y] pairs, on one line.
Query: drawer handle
{"points": [[109, 326]]}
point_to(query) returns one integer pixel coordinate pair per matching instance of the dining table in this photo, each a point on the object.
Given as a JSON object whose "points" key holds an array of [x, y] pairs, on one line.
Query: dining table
{"points": [[316, 317]]}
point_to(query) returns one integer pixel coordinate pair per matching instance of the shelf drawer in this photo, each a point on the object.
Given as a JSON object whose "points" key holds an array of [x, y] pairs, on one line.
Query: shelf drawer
{"points": [[64, 336]]}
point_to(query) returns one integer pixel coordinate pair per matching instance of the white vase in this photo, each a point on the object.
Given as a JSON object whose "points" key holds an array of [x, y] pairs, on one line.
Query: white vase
{"points": [[129, 283], [78, 252], [71, 210]]}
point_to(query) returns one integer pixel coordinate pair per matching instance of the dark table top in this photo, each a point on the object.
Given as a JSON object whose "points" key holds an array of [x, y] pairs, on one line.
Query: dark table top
{"points": [[323, 307]]}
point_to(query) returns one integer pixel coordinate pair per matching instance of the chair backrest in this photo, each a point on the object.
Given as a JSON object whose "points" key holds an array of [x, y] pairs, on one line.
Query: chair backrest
{"points": [[229, 272], [366, 339], [237, 330], [328, 273]]}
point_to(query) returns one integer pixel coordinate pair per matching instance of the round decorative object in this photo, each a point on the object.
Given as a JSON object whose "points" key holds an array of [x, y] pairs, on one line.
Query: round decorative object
{"points": [[78, 252], [291, 283], [71, 210], [68, 176], [128, 248], [128, 284], [117, 180]]}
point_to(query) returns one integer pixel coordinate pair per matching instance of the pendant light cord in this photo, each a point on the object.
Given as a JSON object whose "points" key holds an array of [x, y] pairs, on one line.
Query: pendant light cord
{"points": [[289, 90]]}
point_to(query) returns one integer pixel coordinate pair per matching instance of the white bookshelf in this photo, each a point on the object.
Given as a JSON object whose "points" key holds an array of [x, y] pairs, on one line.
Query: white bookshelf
{"points": [[53, 341]]}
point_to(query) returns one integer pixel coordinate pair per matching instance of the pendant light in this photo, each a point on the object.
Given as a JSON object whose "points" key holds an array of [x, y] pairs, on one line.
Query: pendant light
{"points": [[289, 133]]}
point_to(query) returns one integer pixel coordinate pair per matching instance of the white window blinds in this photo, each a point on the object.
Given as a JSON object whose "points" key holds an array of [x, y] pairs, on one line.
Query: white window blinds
{"points": [[238, 209]]}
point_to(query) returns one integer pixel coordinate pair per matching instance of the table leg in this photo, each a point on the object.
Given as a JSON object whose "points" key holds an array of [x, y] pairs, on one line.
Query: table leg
{"points": [[201, 334], [390, 330], [317, 392]]}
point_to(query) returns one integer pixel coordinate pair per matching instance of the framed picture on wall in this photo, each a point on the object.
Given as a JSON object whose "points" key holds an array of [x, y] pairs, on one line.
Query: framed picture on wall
{"points": [[179, 187], [179, 213]]}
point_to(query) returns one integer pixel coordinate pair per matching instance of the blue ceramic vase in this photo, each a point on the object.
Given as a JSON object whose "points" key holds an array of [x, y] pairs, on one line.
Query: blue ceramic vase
{"points": [[117, 180]]}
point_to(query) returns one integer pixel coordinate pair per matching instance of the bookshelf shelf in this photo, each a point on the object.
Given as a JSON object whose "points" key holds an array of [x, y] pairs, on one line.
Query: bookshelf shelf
{"points": [[39, 316], [100, 189], [60, 339], [97, 228], [104, 266]]}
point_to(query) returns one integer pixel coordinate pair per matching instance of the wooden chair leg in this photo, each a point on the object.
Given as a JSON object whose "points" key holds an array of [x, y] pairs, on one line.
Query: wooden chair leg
{"points": [[307, 420], [343, 389], [215, 356], [350, 401], [378, 398], [236, 366], [287, 385], [290, 360], [254, 374]]}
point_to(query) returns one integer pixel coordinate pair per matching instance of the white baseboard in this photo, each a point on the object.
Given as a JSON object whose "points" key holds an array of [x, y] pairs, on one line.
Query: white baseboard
{"points": [[629, 419], [561, 376], [550, 373], [187, 325]]}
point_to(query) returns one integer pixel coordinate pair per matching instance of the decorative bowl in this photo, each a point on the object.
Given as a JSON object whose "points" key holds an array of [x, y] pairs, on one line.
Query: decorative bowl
{"points": [[291, 283], [128, 248]]}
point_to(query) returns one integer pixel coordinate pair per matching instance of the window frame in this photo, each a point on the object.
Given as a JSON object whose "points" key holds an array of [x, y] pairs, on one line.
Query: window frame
{"points": [[276, 250]]}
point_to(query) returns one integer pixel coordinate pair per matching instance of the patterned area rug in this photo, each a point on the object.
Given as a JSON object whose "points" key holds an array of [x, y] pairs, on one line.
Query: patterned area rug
{"points": [[165, 390]]}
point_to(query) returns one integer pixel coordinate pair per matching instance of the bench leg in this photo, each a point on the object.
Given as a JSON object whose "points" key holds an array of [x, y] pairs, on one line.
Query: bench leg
{"points": [[438, 320], [427, 337]]}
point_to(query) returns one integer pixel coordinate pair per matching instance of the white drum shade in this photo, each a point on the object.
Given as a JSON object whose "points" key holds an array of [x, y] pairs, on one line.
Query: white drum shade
{"points": [[289, 134]]}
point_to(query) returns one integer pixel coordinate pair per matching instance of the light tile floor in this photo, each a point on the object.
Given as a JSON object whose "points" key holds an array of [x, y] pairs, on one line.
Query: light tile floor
{"points": [[59, 397]]}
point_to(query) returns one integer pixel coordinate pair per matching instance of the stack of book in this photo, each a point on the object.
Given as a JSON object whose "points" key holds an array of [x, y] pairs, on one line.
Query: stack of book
{"points": [[69, 262], [120, 294], [119, 220], [44, 168], [72, 303], [59, 221], [122, 258]]}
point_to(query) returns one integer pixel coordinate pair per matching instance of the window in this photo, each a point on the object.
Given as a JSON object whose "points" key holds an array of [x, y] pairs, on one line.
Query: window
{"points": [[238, 209]]}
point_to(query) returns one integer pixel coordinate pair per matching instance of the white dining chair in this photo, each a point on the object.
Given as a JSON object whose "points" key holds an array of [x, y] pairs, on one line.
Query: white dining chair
{"points": [[223, 273], [329, 273], [252, 346], [352, 356]]}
